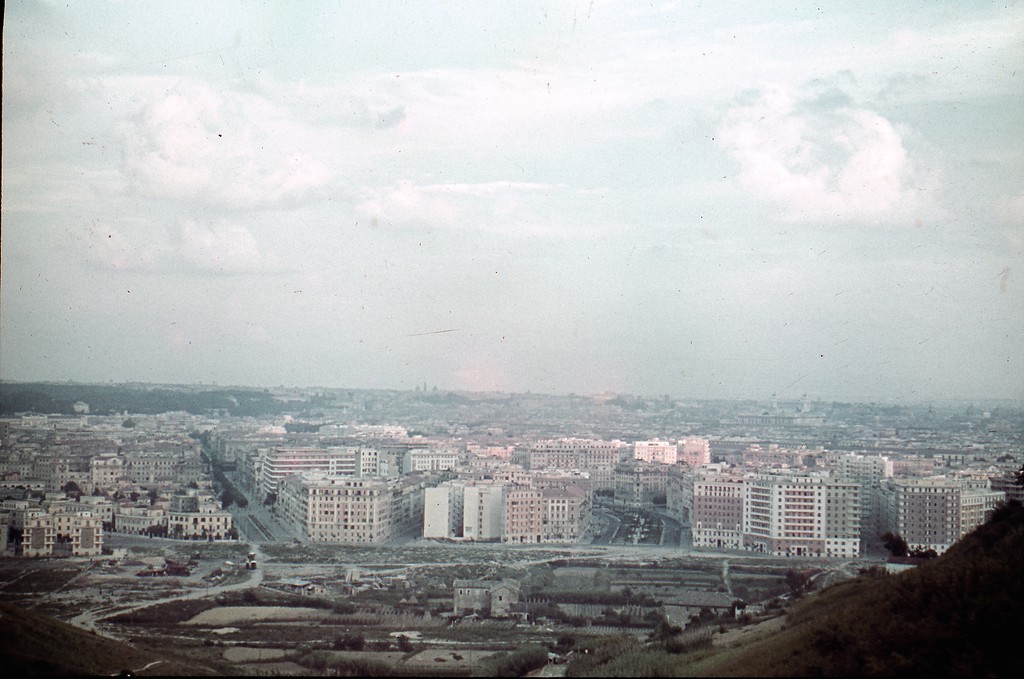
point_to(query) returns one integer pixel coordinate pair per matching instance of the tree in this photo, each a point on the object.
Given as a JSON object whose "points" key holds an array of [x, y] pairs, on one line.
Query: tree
{"points": [[271, 499], [895, 543], [350, 642], [404, 644], [799, 582], [71, 488], [226, 500], [153, 495], [1019, 476]]}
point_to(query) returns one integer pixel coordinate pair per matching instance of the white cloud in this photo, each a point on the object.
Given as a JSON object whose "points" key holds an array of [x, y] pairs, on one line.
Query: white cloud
{"points": [[223, 148], [524, 209], [125, 247], [224, 247], [844, 163]]}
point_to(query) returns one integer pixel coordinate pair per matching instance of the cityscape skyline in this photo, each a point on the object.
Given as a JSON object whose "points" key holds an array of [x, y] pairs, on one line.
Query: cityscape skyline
{"points": [[720, 203]]}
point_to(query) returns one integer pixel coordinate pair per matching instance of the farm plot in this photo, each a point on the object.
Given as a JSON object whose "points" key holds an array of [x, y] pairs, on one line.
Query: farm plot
{"points": [[234, 615]]}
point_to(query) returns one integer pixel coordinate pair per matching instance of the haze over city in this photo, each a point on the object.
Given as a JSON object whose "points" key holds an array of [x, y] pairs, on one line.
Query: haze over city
{"points": [[698, 199]]}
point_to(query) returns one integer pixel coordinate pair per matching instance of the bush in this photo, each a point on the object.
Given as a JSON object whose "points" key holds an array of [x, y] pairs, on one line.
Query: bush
{"points": [[350, 642]]}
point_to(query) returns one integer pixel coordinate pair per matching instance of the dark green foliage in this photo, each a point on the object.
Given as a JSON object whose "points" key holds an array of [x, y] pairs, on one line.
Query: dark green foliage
{"points": [[109, 400], [350, 642], [896, 545], [948, 616], [799, 582]]}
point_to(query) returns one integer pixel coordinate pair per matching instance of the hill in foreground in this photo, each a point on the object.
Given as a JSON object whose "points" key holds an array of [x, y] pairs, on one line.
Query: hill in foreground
{"points": [[33, 644], [958, 615]]}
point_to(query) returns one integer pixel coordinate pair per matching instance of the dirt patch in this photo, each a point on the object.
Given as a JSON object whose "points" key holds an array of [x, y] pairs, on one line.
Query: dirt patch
{"points": [[233, 615], [441, 657]]}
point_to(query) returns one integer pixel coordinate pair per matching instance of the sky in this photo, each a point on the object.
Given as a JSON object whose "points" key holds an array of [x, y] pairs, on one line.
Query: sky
{"points": [[695, 199]]}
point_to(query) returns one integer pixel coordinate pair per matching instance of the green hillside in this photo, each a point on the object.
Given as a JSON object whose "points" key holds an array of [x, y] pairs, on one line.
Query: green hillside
{"points": [[33, 644], [959, 615]]}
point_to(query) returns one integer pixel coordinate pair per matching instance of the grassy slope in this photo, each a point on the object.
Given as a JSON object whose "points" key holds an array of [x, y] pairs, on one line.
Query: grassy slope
{"points": [[35, 644], [948, 617], [956, 616]]}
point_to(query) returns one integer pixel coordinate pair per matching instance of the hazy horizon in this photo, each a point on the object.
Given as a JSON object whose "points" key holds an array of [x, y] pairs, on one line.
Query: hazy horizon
{"points": [[719, 202]]}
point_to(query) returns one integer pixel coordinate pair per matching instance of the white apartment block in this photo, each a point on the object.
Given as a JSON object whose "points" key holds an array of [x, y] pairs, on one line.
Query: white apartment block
{"points": [[198, 517], [868, 471], [277, 463], [138, 520], [813, 516], [483, 514], [433, 459], [663, 452], [442, 510], [337, 509], [935, 512]]}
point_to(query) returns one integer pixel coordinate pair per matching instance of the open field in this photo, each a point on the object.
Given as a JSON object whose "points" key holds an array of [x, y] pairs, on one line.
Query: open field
{"points": [[255, 622], [242, 615]]}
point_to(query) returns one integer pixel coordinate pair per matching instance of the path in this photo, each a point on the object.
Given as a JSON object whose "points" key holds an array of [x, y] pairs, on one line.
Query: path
{"points": [[88, 619]]}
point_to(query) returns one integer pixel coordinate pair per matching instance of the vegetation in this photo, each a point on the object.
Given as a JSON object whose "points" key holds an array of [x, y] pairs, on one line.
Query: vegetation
{"points": [[514, 663], [947, 617], [110, 400], [35, 644], [896, 545]]}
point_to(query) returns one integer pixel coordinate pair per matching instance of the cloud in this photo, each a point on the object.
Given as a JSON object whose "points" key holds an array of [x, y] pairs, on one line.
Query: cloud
{"points": [[224, 247], [824, 162], [127, 247], [500, 207], [218, 247], [221, 147]]}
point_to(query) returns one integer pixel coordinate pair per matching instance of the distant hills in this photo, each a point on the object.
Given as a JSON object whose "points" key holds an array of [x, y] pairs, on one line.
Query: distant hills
{"points": [[956, 616], [46, 397]]}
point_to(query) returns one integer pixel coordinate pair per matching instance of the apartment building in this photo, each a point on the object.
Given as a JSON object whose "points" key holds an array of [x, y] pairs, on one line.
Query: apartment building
{"points": [[868, 471], [483, 515], [198, 517], [524, 515], [773, 455], [566, 513], [934, 512], [433, 459], [139, 520], [273, 465], [693, 451], [57, 531], [663, 452], [717, 509], [596, 457], [789, 515], [442, 510], [639, 483], [338, 509]]}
